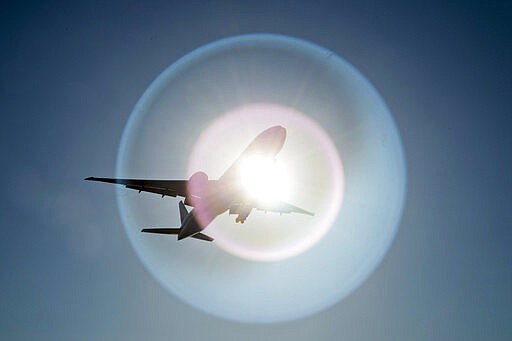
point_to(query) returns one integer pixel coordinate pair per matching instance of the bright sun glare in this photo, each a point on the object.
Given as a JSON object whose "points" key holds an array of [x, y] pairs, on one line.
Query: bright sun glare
{"points": [[306, 172], [264, 178]]}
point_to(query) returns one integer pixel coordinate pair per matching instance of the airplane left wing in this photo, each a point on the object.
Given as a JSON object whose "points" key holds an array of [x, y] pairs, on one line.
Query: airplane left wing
{"points": [[280, 207], [244, 209], [171, 188]]}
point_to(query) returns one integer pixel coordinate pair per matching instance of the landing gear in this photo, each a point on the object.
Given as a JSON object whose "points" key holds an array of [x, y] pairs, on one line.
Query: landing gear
{"points": [[242, 212]]}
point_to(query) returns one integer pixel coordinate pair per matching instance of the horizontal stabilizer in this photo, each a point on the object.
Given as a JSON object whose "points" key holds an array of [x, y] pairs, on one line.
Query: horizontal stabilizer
{"points": [[175, 230], [161, 230], [202, 237]]}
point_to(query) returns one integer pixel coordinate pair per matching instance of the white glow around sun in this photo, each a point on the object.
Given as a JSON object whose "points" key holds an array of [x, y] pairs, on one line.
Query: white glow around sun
{"points": [[265, 179], [230, 91]]}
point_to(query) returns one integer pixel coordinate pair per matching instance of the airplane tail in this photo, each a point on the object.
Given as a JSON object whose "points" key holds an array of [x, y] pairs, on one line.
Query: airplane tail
{"points": [[176, 230]]}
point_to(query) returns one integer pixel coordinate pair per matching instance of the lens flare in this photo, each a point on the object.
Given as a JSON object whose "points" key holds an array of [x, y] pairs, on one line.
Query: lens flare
{"points": [[201, 113]]}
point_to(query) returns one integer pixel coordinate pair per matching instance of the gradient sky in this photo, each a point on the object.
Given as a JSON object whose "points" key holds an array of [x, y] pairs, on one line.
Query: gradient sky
{"points": [[71, 73]]}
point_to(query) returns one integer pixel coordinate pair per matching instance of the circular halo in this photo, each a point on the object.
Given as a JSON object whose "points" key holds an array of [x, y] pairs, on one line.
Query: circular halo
{"points": [[199, 88]]}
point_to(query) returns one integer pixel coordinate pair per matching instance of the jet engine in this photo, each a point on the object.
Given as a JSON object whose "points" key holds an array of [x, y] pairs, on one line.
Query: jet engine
{"points": [[196, 189]]}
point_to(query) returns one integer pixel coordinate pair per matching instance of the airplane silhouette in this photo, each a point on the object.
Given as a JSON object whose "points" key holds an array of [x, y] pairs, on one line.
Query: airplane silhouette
{"points": [[211, 198]]}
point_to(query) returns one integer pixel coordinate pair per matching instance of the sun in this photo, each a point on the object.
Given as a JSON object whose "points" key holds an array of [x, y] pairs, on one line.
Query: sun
{"points": [[264, 179]]}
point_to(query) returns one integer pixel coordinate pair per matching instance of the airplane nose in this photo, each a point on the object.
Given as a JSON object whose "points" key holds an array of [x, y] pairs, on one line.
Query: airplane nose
{"points": [[270, 141], [277, 132], [275, 135]]}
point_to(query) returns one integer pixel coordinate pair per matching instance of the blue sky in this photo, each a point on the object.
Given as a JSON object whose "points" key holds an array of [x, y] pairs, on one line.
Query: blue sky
{"points": [[71, 73]]}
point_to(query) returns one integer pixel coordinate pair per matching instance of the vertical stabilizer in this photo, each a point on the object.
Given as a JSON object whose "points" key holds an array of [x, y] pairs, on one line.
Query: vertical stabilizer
{"points": [[183, 211]]}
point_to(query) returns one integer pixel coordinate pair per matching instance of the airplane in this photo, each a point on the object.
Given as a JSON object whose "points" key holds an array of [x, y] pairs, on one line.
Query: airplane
{"points": [[210, 198]]}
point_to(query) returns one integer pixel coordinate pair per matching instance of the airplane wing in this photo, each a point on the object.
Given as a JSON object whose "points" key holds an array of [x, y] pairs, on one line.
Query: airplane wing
{"points": [[244, 209], [280, 207], [171, 188]]}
